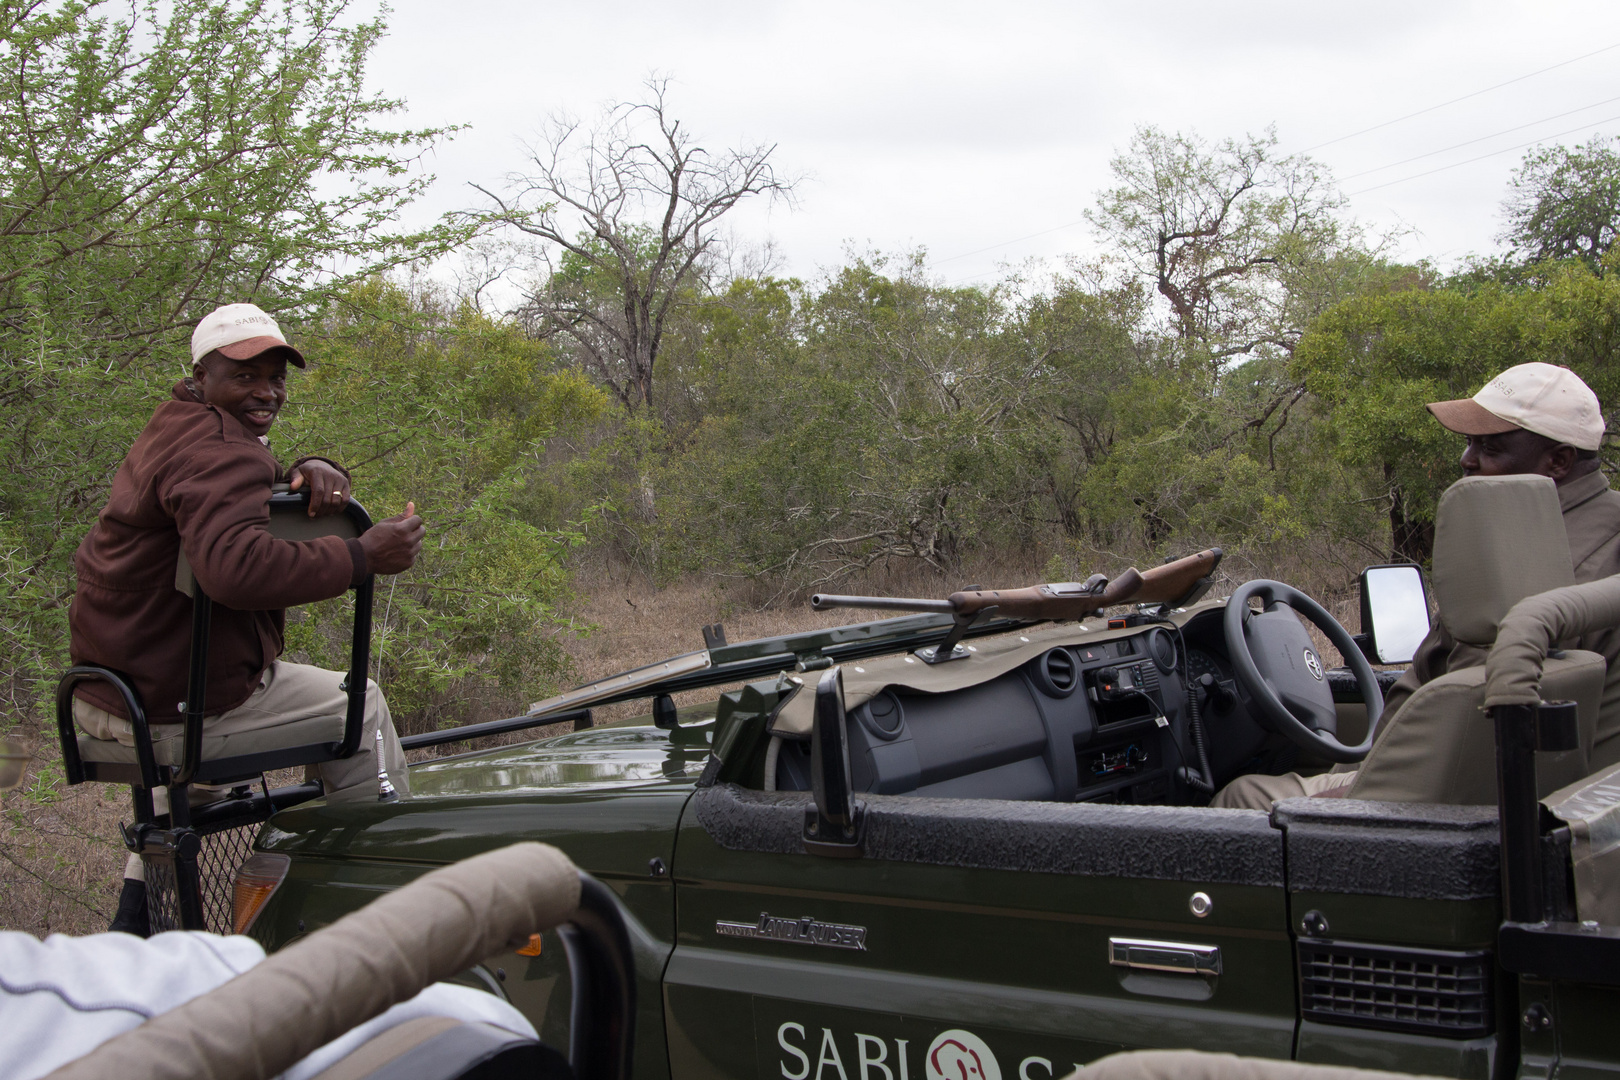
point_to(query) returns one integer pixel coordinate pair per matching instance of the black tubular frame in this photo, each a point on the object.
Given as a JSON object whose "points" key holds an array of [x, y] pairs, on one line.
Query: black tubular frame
{"points": [[355, 684], [602, 1019], [146, 774], [1529, 943], [493, 727], [1520, 812]]}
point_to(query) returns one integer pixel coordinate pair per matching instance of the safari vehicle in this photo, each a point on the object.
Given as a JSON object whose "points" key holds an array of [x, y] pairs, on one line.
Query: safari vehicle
{"points": [[973, 841]]}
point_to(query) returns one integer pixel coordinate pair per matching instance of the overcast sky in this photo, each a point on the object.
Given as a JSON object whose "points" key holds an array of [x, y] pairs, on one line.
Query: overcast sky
{"points": [[966, 128]]}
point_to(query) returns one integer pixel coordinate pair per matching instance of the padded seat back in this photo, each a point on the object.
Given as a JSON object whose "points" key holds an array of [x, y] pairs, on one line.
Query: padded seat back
{"points": [[1441, 747], [1497, 540]]}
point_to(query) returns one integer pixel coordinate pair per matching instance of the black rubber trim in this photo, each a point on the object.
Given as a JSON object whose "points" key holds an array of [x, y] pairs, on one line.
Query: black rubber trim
{"points": [[1420, 851], [1237, 847]]}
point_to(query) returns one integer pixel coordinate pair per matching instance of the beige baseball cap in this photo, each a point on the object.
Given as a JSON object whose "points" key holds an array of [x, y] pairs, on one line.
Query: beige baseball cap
{"points": [[240, 331], [1544, 398]]}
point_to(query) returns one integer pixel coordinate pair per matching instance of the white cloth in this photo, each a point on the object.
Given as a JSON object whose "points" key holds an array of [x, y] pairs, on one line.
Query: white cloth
{"points": [[62, 997]]}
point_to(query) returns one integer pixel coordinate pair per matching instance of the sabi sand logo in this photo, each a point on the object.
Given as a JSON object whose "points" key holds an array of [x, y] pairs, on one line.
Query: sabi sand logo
{"points": [[961, 1055]]}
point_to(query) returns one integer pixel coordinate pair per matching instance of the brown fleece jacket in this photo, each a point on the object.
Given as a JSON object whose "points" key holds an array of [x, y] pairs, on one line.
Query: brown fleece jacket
{"points": [[196, 480]]}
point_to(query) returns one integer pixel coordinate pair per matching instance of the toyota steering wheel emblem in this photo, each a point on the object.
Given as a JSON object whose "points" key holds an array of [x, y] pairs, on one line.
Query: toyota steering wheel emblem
{"points": [[1314, 664]]}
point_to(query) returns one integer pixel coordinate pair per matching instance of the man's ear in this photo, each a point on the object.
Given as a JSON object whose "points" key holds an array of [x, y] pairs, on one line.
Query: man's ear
{"points": [[1559, 461]]}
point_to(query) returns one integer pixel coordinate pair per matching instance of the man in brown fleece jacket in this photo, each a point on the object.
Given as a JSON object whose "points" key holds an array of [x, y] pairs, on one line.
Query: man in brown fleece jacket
{"points": [[198, 480]]}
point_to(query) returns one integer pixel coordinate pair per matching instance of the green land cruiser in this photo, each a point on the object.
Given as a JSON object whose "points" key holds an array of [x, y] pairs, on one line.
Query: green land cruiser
{"points": [[973, 845]]}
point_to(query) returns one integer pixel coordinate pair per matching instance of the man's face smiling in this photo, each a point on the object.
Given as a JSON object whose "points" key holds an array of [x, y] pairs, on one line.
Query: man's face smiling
{"points": [[252, 390]]}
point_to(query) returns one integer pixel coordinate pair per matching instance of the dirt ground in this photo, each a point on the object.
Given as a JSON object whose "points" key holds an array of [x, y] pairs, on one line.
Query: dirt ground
{"points": [[60, 857]]}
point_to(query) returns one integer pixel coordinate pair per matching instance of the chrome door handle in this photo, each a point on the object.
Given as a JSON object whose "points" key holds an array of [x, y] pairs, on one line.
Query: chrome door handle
{"points": [[1176, 956]]}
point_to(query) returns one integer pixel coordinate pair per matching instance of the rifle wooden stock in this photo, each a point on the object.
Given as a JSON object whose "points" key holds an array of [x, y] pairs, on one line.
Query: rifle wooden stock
{"points": [[1174, 580], [1064, 600]]}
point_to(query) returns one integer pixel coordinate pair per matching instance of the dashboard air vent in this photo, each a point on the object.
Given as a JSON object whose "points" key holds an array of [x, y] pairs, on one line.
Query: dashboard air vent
{"points": [[1056, 673]]}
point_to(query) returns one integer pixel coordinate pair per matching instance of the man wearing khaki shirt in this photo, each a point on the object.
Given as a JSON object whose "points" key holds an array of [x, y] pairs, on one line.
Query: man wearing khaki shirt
{"points": [[1533, 418]]}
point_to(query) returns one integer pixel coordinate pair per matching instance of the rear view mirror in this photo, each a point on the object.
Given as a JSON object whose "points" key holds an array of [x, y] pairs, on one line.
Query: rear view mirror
{"points": [[1394, 612]]}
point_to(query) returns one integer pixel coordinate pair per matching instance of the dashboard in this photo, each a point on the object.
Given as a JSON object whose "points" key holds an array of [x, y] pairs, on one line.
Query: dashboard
{"points": [[1106, 721]]}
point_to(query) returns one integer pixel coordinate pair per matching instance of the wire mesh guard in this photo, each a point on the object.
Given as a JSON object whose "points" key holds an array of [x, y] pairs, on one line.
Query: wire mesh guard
{"points": [[162, 903], [222, 853]]}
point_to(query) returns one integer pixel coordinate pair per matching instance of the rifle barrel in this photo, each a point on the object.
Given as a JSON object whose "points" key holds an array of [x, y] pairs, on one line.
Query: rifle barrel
{"points": [[827, 601]]}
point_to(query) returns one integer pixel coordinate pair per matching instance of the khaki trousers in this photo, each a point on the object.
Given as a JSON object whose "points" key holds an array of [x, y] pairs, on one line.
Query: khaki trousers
{"points": [[1256, 792], [287, 693]]}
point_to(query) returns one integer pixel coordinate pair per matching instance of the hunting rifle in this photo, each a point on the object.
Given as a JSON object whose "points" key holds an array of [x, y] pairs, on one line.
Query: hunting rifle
{"points": [[1175, 584]]}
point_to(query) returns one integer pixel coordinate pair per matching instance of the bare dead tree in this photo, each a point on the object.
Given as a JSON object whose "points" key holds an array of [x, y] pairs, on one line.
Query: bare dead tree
{"points": [[627, 214]]}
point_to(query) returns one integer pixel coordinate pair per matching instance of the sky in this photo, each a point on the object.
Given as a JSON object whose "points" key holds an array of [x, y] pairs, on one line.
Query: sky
{"points": [[982, 132]]}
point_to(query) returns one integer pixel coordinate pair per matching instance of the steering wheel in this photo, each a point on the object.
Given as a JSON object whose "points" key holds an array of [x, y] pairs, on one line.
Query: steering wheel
{"points": [[1275, 662]]}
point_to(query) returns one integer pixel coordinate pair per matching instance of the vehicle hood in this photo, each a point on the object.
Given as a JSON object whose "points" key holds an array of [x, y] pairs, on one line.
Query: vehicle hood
{"points": [[608, 796]]}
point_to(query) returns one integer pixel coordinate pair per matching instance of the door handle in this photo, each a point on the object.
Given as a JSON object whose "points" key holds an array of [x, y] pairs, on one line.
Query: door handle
{"points": [[1174, 956]]}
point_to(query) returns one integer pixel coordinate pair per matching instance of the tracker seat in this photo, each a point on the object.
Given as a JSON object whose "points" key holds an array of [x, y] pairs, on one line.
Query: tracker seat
{"points": [[1497, 540], [174, 755]]}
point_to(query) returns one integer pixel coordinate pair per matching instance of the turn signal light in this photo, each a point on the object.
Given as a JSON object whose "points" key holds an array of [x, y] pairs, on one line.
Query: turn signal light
{"points": [[533, 947], [256, 882]]}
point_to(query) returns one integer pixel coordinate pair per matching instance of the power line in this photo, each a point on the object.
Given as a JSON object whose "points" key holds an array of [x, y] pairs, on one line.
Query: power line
{"points": [[1482, 138], [1381, 168], [1465, 97], [1482, 157], [1010, 243]]}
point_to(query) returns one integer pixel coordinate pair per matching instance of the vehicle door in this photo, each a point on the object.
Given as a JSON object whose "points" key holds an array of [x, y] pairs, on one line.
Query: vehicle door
{"points": [[972, 939]]}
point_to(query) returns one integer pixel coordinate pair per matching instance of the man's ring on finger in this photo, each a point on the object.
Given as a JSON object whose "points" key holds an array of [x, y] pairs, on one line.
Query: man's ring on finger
{"points": [[337, 496]]}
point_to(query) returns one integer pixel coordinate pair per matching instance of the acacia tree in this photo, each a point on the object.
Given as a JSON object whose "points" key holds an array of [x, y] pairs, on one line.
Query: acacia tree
{"points": [[186, 154], [627, 214], [1564, 203], [1232, 237], [158, 159]]}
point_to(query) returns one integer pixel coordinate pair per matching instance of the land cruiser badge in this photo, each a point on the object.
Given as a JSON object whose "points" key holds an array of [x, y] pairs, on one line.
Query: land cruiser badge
{"points": [[805, 931]]}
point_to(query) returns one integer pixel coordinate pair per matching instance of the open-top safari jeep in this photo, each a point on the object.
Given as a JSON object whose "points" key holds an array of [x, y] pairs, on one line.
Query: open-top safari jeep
{"points": [[875, 861]]}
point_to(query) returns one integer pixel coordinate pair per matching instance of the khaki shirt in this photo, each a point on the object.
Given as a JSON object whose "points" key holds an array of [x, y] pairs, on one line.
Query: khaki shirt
{"points": [[1592, 520]]}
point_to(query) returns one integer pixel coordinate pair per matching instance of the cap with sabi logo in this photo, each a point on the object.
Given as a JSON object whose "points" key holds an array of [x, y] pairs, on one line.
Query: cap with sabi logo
{"points": [[1543, 398], [240, 331]]}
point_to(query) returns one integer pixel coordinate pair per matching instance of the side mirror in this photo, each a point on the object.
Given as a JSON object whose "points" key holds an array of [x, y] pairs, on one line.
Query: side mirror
{"points": [[1394, 612], [833, 825]]}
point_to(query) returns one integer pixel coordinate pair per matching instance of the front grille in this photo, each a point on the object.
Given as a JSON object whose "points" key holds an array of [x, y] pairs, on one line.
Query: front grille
{"points": [[1429, 991]]}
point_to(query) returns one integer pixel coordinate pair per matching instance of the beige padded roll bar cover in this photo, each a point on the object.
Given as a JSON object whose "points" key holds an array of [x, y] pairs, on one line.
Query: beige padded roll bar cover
{"points": [[1513, 668], [1497, 540], [1197, 1065], [299, 999]]}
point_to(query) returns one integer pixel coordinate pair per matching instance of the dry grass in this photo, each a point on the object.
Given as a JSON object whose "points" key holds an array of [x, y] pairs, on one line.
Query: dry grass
{"points": [[60, 857]]}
